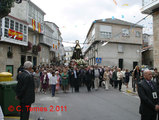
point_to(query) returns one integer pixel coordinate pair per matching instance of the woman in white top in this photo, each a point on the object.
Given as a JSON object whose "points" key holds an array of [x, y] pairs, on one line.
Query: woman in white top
{"points": [[53, 81], [106, 78], [119, 78]]}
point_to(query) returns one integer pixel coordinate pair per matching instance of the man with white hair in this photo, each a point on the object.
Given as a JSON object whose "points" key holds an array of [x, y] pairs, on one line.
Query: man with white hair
{"points": [[148, 93], [25, 90]]}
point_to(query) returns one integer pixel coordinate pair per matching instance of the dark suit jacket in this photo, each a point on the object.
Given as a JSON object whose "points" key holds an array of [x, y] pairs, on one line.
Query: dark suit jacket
{"points": [[75, 81], [89, 75], [145, 91], [25, 88]]}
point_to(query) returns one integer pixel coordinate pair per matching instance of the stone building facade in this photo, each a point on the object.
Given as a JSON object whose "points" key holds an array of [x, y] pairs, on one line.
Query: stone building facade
{"points": [[123, 43], [14, 36], [23, 38], [151, 7]]}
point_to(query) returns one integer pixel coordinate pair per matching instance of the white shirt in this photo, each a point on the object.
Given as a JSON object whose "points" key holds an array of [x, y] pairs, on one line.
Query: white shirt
{"points": [[123, 73], [49, 75], [119, 75], [53, 80]]}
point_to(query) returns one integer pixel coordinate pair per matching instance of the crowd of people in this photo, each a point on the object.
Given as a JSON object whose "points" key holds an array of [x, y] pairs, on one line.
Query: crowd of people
{"points": [[53, 78]]}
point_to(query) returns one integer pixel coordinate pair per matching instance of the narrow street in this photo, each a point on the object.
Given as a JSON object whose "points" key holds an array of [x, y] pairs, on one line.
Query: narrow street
{"points": [[95, 105]]}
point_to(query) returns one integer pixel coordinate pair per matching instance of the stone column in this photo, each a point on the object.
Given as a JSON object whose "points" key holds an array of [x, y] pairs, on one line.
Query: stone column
{"points": [[156, 39]]}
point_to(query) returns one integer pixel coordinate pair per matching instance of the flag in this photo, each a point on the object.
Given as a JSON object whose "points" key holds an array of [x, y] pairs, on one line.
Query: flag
{"points": [[34, 24], [58, 43], [15, 35], [39, 27]]}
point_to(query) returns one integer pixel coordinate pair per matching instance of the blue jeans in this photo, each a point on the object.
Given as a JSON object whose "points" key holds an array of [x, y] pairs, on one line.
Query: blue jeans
{"points": [[53, 90]]}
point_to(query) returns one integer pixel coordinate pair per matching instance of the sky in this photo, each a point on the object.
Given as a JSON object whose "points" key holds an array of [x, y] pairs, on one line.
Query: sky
{"points": [[74, 17]]}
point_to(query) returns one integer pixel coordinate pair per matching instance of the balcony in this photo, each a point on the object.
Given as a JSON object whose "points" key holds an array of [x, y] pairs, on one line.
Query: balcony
{"points": [[149, 6]]}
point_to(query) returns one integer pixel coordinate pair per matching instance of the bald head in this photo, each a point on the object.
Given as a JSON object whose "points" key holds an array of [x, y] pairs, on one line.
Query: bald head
{"points": [[147, 74]]}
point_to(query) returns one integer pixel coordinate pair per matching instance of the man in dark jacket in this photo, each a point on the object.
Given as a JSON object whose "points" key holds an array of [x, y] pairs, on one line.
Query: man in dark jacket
{"points": [[148, 93], [25, 90], [88, 78], [114, 78], [75, 78]]}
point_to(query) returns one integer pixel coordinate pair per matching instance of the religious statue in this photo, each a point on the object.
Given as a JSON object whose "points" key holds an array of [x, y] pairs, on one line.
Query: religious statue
{"points": [[77, 53]]}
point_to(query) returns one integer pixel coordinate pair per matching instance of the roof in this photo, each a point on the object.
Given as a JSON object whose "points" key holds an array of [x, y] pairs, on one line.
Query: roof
{"points": [[117, 21], [114, 21]]}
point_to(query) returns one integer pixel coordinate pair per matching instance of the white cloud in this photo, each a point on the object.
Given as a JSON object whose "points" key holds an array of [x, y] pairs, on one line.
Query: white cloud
{"points": [[74, 17]]}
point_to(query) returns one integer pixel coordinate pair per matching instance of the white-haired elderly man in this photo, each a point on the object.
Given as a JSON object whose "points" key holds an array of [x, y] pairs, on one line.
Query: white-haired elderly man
{"points": [[25, 90], [148, 93]]}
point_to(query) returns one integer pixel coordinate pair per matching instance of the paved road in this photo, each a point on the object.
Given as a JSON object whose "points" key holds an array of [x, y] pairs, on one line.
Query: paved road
{"points": [[95, 105]]}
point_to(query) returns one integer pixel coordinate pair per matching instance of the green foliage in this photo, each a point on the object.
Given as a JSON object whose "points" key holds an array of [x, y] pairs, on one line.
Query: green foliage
{"points": [[5, 7]]}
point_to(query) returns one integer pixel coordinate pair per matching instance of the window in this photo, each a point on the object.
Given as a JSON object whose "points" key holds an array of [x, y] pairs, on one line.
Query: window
{"points": [[12, 24], [24, 38], [25, 29], [125, 32], [6, 22], [33, 13], [21, 28], [105, 35], [105, 31], [17, 27], [30, 10], [6, 33], [120, 48], [34, 40], [138, 34]]}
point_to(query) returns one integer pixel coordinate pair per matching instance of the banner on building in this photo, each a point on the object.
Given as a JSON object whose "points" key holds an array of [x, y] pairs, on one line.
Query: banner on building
{"points": [[53, 46], [15, 35], [58, 43], [39, 27], [34, 24]]}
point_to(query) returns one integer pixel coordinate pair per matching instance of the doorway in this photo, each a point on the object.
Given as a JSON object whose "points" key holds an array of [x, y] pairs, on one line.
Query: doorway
{"points": [[121, 64]]}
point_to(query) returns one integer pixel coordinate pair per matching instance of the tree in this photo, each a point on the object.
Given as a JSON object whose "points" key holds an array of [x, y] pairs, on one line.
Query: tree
{"points": [[5, 6]]}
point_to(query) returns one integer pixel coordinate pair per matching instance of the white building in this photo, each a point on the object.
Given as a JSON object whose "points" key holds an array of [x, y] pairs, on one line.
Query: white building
{"points": [[69, 53], [122, 42]]}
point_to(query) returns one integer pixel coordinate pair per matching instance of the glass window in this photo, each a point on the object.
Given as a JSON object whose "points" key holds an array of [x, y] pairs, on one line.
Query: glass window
{"points": [[34, 40], [138, 34], [12, 24], [16, 26], [105, 34], [120, 48], [21, 28], [24, 38], [30, 10], [125, 32], [6, 33], [33, 13], [25, 29], [6, 22]]}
